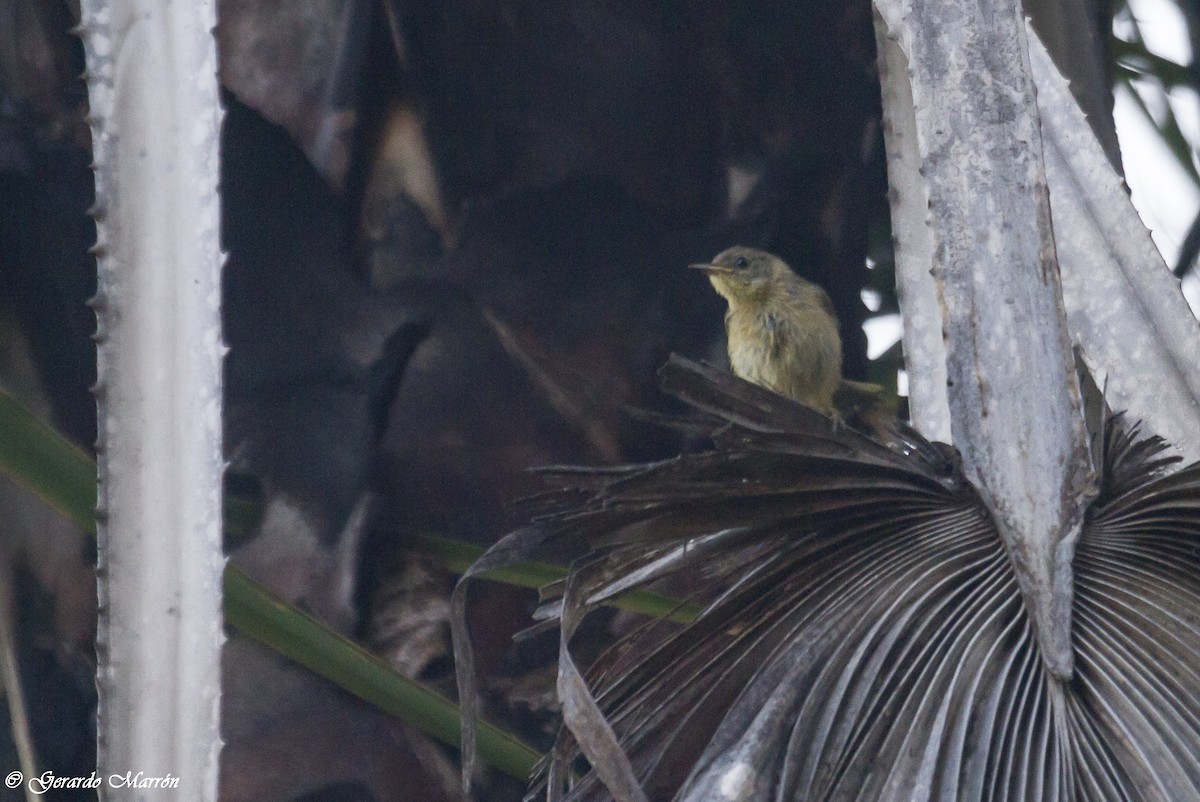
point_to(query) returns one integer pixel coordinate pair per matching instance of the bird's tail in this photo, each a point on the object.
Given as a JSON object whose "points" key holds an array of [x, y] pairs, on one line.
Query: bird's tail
{"points": [[851, 397]]}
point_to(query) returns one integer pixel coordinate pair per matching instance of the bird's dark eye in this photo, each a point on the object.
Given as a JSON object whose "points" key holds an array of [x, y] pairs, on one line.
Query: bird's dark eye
{"points": [[741, 262]]}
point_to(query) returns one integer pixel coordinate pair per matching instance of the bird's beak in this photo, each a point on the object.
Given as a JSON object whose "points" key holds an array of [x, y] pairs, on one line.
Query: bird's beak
{"points": [[711, 270]]}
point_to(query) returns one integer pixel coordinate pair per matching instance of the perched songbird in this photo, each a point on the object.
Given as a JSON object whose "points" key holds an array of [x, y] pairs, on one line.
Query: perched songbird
{"points": [[782, 330], [783, 335]]}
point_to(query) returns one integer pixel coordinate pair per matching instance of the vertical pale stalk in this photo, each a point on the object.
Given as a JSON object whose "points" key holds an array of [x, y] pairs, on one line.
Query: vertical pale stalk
{"points": [[1125, 309], [151, 73], [924, 351], [1014, 400]]}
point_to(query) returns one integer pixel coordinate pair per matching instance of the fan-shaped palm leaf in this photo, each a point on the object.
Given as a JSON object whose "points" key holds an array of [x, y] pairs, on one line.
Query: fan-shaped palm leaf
{"points": [[870, 642]]}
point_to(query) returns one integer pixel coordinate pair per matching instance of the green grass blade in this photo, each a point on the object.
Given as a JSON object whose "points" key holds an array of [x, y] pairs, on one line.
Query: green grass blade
{"points": [[302, 638], [55, 469], [64, 476], [458, 556]]}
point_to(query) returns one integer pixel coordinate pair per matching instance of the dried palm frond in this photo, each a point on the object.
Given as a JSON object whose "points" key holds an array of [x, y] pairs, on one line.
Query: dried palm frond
{"points": [[869, 641]]}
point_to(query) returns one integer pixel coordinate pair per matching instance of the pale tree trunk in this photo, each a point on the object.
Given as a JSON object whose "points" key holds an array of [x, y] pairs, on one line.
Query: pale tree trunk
{"points": [[1014, 402], [988, 326], [155, 116], [1125, 311]]}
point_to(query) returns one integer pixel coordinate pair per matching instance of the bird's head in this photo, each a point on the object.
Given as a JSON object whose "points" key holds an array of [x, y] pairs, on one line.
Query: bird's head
{"points": [[746, 275]]}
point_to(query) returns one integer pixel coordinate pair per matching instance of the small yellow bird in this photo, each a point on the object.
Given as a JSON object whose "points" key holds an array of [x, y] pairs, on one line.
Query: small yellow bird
{"points": [[783, 333]]}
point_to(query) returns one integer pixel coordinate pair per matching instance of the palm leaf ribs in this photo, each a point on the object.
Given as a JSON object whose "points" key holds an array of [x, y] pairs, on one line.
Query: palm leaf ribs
{"points": [[867, 640]]}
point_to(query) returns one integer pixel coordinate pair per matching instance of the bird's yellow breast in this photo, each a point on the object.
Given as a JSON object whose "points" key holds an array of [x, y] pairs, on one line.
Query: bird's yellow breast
{"points": [[795, 351]]}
